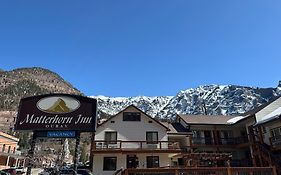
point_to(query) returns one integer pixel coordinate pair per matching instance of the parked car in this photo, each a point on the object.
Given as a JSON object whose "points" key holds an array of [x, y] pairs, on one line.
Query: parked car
{"points": [[79, 172], [66, 172], [49, 171], [20, 170], [3, 173], [84, 172], [11, 171]]}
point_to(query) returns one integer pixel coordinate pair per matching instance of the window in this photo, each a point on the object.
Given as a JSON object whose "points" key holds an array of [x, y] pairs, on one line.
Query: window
{"points": [[131, 116], [3, 148], [276, 132], [263, 129], [196, 134], [226, 134], [110, 137], [152, 137], [109, 163], [152, 161], [9, 149]]}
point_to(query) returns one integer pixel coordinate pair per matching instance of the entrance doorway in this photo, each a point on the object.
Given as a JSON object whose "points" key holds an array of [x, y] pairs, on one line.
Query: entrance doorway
{"points": [[132, 161], [208, 137]]}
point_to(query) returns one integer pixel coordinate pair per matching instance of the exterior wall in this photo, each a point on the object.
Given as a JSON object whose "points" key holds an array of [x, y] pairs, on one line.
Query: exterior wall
{"points": [[8, 143], [268, 127], [98, 163], [164, 160], [131, 130]]}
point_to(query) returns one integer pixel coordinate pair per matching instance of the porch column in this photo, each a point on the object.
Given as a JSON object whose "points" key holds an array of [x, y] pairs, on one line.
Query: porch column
{"points": [[17, 160], [215, 135], [7, 162], [190, 140], [229, 172], [260, 135], [23, 163]]}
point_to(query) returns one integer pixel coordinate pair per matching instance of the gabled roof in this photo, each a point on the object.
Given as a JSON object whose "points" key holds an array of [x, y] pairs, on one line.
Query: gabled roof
{"points": [[145, 114]]}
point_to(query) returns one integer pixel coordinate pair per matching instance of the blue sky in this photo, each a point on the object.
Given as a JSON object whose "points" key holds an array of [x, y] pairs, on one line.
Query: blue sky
{"points": [[145, 47]]}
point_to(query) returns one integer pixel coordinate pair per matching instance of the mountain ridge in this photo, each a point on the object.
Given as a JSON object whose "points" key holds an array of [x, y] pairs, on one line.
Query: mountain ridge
{"points": [[205, 99]]}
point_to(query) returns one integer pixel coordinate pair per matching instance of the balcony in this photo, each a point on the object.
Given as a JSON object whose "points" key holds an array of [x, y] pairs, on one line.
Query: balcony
{"points": [[235, 141], [101, 146]]}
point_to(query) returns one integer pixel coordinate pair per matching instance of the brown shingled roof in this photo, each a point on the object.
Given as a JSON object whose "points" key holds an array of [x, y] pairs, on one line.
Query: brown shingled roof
{"points": [[206, 119]]}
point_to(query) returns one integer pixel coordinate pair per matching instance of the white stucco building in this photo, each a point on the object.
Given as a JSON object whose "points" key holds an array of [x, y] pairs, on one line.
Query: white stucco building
{"points": [[132, 139]]}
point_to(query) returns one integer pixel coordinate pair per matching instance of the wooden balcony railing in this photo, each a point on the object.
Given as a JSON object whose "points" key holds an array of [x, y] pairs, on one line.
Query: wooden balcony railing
{"points": [[221, 141], [133, 145]]}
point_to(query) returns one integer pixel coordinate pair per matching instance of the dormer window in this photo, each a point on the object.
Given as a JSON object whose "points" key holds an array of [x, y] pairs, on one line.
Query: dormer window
{"points": [[131, 116]]}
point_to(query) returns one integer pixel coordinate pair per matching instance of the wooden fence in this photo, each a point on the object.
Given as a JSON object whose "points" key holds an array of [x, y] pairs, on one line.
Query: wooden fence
{"points": [[203, 171]]}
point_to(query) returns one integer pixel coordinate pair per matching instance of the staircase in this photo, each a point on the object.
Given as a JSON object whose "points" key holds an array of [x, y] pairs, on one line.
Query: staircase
{"points": [[270, 157], [118, 172]]}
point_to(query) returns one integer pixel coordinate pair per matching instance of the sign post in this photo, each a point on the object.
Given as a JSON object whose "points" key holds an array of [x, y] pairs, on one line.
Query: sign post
{"points": [[77, 150], [57, 116], [31, 154]]}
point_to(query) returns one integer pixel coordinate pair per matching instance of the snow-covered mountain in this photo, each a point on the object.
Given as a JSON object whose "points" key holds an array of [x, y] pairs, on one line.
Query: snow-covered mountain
{"points": [[208, 99], [151, 105]]}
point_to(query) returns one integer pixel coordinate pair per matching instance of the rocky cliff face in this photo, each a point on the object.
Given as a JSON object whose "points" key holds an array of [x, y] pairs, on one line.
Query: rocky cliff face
{"points": [[25, 82]]}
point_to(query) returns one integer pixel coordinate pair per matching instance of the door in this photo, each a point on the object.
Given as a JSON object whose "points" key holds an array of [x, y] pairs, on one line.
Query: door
{"points": [[180, 162], [132, 161], [218, 133], [208, 137]]}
